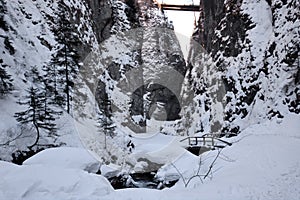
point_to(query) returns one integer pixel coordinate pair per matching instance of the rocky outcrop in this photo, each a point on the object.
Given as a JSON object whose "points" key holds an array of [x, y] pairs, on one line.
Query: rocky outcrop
{"points": [[211, 13], [254, 48], [102, 16], [150, 50]]}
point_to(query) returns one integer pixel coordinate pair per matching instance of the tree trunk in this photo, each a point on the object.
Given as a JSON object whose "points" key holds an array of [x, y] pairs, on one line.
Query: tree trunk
{"points": [[67, 81], [37, 136]]}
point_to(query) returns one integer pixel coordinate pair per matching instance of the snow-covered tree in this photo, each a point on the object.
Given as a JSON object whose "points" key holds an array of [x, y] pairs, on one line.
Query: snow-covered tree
{"points": [[52, 85], [33, 75], [38, 113], [3, 10], [65, 60], [292, 61], [105, 122], [5, 80]]}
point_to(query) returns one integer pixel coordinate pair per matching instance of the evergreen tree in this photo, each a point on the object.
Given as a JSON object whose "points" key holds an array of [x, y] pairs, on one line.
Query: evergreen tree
{"points": [[38, 113], [52, 85], [5, 80], [33, 75], [106, 124], [66, 59], [3, 11]]}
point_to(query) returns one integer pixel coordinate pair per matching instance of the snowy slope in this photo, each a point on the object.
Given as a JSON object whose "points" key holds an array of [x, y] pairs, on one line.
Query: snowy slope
{"points": [[31, 43], [262, 163]]}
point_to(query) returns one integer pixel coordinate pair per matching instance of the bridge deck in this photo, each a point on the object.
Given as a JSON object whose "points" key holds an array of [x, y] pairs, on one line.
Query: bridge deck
{"points": [[175, 7]]}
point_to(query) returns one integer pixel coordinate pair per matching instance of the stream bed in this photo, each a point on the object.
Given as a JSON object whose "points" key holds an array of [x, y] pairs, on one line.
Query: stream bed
{"points": [[141, 180]]}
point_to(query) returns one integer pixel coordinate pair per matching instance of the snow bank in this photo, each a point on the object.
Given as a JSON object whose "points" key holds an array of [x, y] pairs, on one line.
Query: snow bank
{"points": [[66, 157], [48, 182], [263, 163]]}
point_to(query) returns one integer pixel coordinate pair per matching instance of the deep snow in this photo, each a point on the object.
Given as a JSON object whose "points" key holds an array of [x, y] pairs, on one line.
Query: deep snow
{"points": [[263, 163]]}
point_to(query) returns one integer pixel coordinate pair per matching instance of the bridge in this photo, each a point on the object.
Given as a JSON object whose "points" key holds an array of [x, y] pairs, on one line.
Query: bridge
{"points": [[200, 144], [194, 8]]}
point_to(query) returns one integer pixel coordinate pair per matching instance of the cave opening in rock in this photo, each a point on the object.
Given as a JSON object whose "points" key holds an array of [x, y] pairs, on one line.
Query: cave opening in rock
{"points": [[154, 102]]}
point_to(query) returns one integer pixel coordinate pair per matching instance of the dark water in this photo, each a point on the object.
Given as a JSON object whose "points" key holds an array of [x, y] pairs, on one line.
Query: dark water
{"points": [[140, 180]]}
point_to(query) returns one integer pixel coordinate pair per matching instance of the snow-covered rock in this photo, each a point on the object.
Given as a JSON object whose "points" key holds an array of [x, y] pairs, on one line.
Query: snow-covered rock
{"points": [[252, 49], [33, 182], [66, 157]]}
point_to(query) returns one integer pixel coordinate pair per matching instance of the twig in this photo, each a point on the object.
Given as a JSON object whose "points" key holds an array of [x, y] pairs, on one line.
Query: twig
{"points": [[191, 178], [197, 174], [212, 164], [226, 158], [199, 164], [9, 141], [180, 174], [186, 182]]}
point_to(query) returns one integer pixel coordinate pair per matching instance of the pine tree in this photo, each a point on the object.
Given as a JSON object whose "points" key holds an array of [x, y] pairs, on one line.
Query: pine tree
{"points": [[66, 59], [5, 80], [106, 124], [52, 85], [33, 75], [38, 113], [48, 112], [3, 11]]}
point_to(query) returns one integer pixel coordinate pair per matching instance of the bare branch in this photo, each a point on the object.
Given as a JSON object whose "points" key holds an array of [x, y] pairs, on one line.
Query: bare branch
{"points": [[180, 174], [200, 176], [212, 164], [199, 164], [226, 158], [191, 178], [11, 140]]}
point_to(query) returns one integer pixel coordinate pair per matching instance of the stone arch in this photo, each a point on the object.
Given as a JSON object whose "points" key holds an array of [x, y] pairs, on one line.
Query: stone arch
{"points": [[162, 101]]}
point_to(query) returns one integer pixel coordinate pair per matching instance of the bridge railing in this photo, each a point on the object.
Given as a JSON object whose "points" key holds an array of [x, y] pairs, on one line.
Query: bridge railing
{"points": [[206, 140]]}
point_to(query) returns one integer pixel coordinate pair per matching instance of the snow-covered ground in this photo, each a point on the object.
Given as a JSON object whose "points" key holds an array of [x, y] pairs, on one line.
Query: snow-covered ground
{"points": [[263, 163]]}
